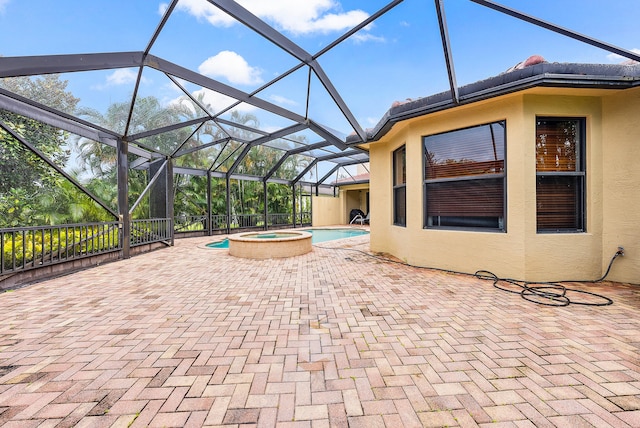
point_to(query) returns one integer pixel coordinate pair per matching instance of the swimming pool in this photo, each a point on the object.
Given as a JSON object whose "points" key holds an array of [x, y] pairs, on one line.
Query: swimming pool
{"points": [[323, 235], [317, 236]]}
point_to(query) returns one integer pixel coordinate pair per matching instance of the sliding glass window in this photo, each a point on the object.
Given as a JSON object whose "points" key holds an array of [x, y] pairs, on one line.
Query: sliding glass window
{"points": [[400, 187], [464, 178]]}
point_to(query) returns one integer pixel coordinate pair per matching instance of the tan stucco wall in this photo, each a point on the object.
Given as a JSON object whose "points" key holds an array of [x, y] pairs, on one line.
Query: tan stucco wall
{"points": [[621, 189], [326, 210], [352, 201], [521, 252], [353, 197], [557, 256]]}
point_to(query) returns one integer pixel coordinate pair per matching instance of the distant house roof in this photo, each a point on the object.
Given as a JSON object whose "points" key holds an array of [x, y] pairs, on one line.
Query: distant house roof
{"points": [[533, 72], [360, 178]]}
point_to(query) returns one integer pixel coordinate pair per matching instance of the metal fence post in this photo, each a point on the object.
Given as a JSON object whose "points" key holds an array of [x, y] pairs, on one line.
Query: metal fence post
{"points": [[123, 193]]}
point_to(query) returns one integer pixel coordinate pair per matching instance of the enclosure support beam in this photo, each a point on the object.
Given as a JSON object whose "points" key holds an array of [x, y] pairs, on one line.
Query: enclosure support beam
{"points": [[123, 193], [53, 165], [560, 30], [170, 200], [275, 167], [335, 95], [266, 206], [335, 168], [209, 215], [327, 175], [160, 170], [239, 159], [340, 155], [25, 107], [293, 191], [327, 135], [446, 46], [57, 64], [214, 85], [304, 171], [228, 188], [311, 206], [279, 134]]}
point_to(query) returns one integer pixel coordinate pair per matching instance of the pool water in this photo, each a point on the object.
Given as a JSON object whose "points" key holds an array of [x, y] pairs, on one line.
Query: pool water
{"points": [[270, 235], [323, 235], [317, 236]]}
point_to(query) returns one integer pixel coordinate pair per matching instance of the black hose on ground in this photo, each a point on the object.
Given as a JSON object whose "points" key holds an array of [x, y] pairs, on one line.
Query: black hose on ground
{"points": [[542, 293], [549, 293]]}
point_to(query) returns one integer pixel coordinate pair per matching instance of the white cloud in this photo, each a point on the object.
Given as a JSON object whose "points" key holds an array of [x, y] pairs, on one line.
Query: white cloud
{"points": [[3, 5], [270, 128], [231, 66], [328, 23], [214, 101], [372, 121], [121, 76], [294, 16], [619, 58], [207, 11], [361, 37], [278, 99], [162, 8]]}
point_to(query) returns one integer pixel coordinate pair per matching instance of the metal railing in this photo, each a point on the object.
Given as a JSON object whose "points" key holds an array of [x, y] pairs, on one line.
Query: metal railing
{"points": [[196, 223], [218, 222], [34, 247], [280, 219], [244, 221], [190, 223], [303, 218], [26, 248], [147, 231]]}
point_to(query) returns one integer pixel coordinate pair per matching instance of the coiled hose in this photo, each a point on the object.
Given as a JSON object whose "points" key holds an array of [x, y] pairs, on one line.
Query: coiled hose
{"points": [[549, 293], [542, 293]]}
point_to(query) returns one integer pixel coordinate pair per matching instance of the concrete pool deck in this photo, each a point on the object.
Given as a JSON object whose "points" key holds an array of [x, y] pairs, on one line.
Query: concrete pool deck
{"points": [[190, 336]]}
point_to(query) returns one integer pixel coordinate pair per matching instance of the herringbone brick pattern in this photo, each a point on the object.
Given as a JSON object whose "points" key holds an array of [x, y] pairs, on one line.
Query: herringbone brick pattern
{"points": [[189, 336]]}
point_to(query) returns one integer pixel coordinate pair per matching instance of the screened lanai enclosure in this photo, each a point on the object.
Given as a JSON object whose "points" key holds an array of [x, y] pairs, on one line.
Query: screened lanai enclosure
{"points": [[214, 116], [175, 152]]}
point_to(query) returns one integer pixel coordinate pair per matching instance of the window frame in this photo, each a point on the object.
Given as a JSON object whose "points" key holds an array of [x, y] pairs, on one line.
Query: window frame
{"points": [[580, 174], [501, 226], [399, 188]]}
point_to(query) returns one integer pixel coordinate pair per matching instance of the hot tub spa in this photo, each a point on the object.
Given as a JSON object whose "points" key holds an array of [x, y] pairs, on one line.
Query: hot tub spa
{"points": [[269, 245]]}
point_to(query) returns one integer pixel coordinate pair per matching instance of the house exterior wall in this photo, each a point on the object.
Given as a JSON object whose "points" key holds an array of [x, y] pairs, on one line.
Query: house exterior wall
{"points": [[326, 210], [352, 201], [560, 256], [521, 252], [353, 197], [621, 178]]}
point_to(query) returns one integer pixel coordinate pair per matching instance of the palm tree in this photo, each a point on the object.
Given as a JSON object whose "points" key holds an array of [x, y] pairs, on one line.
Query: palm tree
{"points": [[100, 160]]}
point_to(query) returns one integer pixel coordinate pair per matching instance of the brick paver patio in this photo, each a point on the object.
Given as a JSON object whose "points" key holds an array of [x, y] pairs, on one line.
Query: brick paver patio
{"points": [[189, 336]]}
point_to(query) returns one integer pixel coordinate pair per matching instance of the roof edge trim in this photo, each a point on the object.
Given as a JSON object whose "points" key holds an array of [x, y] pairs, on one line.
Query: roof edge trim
{"points": [[596, 76]]}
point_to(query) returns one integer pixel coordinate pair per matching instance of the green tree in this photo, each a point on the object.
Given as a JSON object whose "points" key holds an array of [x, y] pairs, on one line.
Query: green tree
{"points": [[19, 167], [190, 192], [100, 160], [26, 180]]}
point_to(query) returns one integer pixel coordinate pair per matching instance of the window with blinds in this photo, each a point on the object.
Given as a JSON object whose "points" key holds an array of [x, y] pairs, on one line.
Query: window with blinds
{"points": [[465, 178], [400, 187], [560, 174]]}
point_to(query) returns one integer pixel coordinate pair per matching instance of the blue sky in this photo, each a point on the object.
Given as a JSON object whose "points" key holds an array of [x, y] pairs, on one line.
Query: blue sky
{"points": [[398, 57]]}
